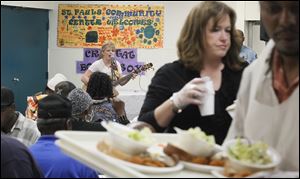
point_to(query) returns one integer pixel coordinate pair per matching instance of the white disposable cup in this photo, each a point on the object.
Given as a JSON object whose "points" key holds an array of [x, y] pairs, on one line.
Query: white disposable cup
{"points": [[208, 99]]}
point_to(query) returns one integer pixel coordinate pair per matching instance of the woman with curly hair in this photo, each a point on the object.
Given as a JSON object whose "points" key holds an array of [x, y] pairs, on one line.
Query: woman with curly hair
{"points": [[105, 107]]}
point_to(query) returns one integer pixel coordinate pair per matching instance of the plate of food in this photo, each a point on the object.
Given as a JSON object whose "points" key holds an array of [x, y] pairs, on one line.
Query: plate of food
{"points": [[196, 150], [128, 140], [153, 160], [136, 149], [249, 157], [196, 163], [196, 142]]}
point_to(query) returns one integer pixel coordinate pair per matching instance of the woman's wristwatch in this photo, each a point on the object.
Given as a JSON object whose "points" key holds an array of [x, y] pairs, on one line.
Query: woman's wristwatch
{"points": [[175, 108]]}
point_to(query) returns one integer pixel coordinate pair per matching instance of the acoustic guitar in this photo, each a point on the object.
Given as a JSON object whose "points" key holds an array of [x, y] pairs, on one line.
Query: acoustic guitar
{"points": [[129, 76], [126, 78]]}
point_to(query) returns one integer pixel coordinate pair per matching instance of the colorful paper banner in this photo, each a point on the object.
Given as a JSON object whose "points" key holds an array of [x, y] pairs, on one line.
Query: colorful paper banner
{"points": [[128, 26]]}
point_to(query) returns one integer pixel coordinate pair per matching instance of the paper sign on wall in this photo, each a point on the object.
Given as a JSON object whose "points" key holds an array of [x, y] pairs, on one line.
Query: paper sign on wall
{"points": [[128, 26], [126, 57]]}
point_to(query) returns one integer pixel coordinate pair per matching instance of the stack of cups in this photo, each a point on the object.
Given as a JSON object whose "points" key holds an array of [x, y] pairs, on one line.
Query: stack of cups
{"points": [[208, 99]]}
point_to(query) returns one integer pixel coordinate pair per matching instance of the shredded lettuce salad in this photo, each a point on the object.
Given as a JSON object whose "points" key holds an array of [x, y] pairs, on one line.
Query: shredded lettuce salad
{"points": [[199, 134], [143, 135], [255, 153]]}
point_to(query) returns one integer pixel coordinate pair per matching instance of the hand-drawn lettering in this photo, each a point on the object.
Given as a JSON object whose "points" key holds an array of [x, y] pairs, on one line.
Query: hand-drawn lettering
{"points": [[122, 24]]}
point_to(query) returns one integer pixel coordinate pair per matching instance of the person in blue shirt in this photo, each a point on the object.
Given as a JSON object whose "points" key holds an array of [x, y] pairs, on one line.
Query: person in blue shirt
{"points": [[246, 53], [16, 160], [54, 114]]}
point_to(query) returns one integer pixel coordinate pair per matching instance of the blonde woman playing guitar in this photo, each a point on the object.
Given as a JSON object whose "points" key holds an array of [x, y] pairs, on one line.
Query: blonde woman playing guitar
{"points": [[107, 64]]}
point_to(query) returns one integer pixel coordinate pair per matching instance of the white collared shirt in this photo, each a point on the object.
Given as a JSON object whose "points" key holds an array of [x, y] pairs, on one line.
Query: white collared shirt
{"points": [[259, 115], [25, 130]]}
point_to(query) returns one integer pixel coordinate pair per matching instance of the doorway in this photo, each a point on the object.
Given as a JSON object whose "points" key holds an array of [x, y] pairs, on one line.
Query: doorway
{"points": [[253, 33], [24, 51]]}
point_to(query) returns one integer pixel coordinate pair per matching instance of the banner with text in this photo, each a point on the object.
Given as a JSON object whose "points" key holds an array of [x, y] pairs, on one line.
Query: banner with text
{"points": [[126, 57], [128, 26]]}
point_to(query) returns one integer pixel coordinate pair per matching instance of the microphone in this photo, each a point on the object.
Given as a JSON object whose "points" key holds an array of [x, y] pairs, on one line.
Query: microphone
{"points": [[113, 63]]}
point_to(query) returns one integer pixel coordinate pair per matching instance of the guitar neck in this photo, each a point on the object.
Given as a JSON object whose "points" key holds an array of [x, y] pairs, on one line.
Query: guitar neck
{"points": [[124, 78]]}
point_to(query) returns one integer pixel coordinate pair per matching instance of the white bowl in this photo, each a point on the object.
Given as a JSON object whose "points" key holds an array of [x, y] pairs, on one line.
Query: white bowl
{"points": [[120, 140], [239, 165], [193, 145]]}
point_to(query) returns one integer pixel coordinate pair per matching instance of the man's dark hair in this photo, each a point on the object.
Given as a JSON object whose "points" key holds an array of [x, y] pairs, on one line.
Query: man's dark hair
{"points": [[99, 86], [7, 97]]}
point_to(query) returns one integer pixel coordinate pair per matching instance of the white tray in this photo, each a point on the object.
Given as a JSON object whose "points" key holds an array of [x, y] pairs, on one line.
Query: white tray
{"points": [[81, 145]]}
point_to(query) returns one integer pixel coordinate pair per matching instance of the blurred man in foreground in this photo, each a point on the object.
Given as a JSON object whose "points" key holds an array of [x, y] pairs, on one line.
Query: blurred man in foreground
{"points": [[268, 98]]}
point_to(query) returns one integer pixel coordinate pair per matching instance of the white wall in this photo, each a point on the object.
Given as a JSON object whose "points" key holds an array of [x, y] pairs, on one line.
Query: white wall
{"points": [[63, 60], [252, 10]]}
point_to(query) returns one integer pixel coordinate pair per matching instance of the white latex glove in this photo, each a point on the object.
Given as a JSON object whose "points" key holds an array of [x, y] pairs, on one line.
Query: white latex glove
{"points": [[191, 93]]}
